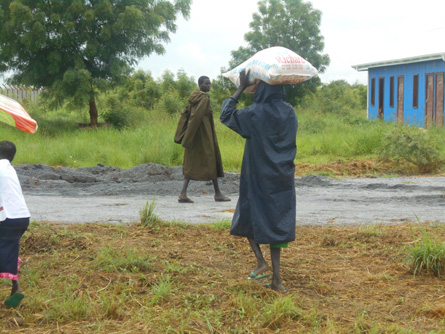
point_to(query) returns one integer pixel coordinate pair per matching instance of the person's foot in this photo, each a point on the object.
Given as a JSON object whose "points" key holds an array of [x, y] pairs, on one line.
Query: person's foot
{"points": [[258, 271], [16, 295], [276, 287], [222, 198], [254, 277], [184, 199], [14, 300]]}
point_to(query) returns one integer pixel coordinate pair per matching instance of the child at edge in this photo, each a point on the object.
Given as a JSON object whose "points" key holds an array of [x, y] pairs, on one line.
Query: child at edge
{"points": [[14, 221]]}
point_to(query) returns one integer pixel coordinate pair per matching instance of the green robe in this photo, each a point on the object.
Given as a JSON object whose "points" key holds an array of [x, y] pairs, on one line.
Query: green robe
{"points": [[202, 158]]}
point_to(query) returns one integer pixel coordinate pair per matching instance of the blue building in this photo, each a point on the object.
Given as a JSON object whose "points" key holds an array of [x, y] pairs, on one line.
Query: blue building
{"points": [[408, 90]]}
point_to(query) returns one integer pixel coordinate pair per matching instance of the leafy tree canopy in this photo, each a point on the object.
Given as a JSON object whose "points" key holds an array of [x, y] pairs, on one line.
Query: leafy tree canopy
{"points": [[75, 47], [293, 24]]}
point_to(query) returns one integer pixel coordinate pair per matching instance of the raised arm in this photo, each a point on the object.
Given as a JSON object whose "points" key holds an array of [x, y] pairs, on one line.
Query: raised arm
{"points": [[237, 120], [244, 82]]}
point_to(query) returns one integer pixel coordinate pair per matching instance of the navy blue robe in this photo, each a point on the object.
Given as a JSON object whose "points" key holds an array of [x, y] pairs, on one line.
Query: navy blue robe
{"points": [[266, 208]]}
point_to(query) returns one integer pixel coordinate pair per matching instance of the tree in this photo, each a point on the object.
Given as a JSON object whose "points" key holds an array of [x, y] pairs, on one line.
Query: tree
{"points": [[293, 24], [341, 98], [139, 89], [175, 93], [75, 48]]}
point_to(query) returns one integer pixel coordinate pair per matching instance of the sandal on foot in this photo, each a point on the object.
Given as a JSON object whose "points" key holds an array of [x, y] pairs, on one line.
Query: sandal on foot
{"points": [[14, 300], [254, 277]]}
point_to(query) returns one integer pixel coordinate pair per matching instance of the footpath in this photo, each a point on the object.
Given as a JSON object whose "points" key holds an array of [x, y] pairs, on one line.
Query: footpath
{"points": [[320, 201]]}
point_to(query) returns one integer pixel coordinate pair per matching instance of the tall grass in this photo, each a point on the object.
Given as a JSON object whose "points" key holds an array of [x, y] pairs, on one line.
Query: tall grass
{"points": [[427, 254], [322, 137], [64, 144], [147, 215]]}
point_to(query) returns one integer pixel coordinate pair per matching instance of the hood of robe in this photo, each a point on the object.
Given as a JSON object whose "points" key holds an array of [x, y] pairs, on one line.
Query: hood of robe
{"points": [[266, 93], [196, 96]]}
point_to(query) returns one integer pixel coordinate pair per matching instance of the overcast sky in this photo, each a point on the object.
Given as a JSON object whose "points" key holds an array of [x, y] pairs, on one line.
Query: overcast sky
{"points": [[355, 32]]}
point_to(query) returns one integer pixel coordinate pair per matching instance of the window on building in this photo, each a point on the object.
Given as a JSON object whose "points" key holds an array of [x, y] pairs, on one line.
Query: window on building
{"points": [[415, 91], [372, 92], [391, 92]]}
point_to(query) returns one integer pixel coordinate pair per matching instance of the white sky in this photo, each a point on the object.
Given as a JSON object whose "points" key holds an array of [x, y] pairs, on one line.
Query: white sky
{"points": [[354, 31]]}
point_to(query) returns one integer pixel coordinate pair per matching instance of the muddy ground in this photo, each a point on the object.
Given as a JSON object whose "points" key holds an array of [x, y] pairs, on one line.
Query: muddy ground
{"points": [[110, 194]]}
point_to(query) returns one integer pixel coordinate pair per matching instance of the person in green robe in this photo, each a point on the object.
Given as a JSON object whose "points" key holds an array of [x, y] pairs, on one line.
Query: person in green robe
{"points": [[202, 158]]}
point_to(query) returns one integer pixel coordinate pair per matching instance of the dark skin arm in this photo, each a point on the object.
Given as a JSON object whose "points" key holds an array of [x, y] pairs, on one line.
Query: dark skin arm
{"points": [[244, 82]]}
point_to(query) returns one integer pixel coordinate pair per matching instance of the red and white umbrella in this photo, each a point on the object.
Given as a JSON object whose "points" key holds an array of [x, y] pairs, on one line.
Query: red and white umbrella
{"points": [[12, 113]]}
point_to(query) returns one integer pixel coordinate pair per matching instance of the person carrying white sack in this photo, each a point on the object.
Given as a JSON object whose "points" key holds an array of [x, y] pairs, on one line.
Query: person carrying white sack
{"points": [[276, 66], [266, 208]]}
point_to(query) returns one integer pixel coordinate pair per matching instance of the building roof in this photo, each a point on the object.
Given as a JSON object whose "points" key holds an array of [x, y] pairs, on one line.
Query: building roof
{"points": [[415, 59]]}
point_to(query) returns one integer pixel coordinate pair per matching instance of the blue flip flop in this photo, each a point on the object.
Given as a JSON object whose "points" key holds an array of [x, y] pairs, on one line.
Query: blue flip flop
{"points": [[254, 277], [14, 300]]}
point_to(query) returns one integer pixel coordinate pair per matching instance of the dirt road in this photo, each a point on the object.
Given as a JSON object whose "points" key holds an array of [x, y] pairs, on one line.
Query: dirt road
{"points": [[110, 194]]}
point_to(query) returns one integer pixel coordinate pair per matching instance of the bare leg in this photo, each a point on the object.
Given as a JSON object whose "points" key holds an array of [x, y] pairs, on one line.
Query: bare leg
{"points": [[15, 287], [219, 197], [261, 262], [276, 279], [183, 195]]}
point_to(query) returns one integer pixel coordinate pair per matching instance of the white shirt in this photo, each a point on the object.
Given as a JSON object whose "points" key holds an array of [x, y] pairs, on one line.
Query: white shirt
{"points": [[12, 202]]}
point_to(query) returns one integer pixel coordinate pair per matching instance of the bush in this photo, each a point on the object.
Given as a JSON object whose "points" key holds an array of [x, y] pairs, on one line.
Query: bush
{"points": [[115, 115], [414, 145], [427, 255], [116, 118], [339, 97], [172, 103], [147, 215], [141, 90]]}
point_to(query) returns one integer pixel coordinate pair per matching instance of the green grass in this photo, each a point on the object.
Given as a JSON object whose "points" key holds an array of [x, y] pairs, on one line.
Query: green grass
{"points": [[327, 137], [321, 138], [427, 254], [123, 259], [147, 215], [150, 141], [222, 224]]}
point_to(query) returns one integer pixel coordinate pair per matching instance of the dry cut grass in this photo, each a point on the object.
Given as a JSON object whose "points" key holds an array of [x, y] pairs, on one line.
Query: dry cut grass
{"points": [[172, 278]]}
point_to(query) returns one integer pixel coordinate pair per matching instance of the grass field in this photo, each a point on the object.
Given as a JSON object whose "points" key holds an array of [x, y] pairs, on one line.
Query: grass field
{"points": [[169, 278], [322, 139]]}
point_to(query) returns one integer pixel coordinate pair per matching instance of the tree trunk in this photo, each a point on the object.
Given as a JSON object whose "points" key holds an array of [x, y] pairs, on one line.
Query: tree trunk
{"points": [[93, 113]]}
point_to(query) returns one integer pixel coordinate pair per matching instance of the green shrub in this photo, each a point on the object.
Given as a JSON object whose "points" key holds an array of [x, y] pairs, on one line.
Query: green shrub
{"points": [[171, 102], [341, 98], [427, 255], [184, 84], [147, 215], [116, 118], [141, 90], [313, 125], [414, 145], [115, 114]]}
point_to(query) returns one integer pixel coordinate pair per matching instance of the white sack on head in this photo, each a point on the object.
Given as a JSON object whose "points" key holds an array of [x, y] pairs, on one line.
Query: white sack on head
{"points": [[276, 66]]}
